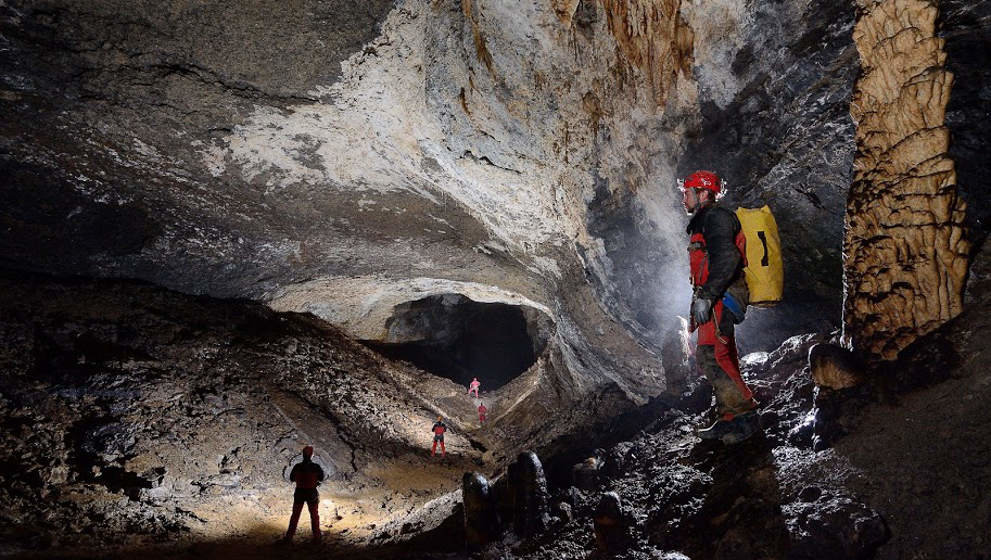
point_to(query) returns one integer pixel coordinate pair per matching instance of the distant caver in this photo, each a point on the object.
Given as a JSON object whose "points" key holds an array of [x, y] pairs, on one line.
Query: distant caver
{"points": [[307, 475]]}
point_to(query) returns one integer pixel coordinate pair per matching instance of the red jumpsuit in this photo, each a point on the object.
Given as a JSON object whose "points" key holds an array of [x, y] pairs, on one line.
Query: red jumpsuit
{"points": [[439, 429], [717, 249], [481, 413]]}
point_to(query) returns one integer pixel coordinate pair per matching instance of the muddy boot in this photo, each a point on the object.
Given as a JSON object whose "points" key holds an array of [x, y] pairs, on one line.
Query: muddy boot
{"points": [[717, 430], [742, 427]]}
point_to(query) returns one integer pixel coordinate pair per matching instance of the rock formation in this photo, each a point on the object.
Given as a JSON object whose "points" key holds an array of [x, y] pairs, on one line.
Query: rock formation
{"points": [[906, 251], [136, 415], [522, 498], [481, 523], [611, 523], [877, 491], [835, 367], [397, 194], [517, 502]]}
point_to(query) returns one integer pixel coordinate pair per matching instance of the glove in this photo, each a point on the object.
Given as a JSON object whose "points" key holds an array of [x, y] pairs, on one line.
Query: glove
{"points": [[701, 310]]}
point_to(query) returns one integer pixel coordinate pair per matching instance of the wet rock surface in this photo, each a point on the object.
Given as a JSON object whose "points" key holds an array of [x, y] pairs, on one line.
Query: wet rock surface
{"points": [[802, 488]]}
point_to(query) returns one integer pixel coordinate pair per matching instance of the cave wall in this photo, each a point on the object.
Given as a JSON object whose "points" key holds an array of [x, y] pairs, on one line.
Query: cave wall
{"points": [[400, 148], [907, 254], [347, 160], [107, 105], [968, 48], [418, 145]]}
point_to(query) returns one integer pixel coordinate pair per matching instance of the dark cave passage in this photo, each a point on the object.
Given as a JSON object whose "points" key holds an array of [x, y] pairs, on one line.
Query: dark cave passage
{"points": [[458, 338]]}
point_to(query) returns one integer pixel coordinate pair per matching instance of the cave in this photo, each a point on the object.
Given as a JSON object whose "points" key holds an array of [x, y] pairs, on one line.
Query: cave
{"points": [[460, 339], [232, 231]]}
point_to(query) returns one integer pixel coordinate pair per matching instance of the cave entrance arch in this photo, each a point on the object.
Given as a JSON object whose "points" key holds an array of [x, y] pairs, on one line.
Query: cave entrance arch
{"points": [[458, 338]]}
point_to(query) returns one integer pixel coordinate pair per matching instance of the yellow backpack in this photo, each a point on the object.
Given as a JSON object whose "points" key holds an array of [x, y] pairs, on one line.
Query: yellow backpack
{"points": [[764, 272]]}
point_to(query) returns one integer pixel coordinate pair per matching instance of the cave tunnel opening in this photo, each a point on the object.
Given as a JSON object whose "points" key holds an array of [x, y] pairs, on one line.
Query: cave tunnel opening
{"points": [[458, 338]]}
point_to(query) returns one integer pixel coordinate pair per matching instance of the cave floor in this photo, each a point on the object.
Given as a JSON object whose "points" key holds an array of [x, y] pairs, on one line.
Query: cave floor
{"points": [[155, 424], [351, 520], [88, 381], [919, 460]]}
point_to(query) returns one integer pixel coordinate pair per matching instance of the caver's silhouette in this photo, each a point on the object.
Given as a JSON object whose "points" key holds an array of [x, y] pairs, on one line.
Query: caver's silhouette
{"points": [[307, 475]]}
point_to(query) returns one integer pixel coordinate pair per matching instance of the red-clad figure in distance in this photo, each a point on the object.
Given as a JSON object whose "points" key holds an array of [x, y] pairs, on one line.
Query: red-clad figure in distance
{"points": [[439, 428]]}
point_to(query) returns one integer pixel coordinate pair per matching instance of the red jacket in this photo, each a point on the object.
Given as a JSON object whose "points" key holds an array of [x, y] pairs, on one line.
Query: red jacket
{"points": [[716, 255]]}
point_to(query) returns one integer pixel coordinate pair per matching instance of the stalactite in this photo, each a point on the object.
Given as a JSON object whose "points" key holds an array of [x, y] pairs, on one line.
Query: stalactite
{"points": [[652, 36]]}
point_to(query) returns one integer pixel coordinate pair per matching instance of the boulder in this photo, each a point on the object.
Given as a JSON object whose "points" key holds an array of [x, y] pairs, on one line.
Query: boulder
{"points": [[586, 474], [833, 526], [835, 367]]}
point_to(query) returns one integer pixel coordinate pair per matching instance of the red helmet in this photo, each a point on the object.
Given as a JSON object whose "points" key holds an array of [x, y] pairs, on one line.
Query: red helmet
{"points": [[308, 451], [704, 180]]}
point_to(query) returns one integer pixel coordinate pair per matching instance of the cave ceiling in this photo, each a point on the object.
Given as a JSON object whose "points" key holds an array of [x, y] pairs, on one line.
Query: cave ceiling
{"points": [[248, 152]]}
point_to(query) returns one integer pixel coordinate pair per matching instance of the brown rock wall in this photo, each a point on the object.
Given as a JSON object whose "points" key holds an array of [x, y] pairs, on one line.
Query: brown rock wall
{"points": [[906, 254], [481, 47], [565, 9], [652, 36]]}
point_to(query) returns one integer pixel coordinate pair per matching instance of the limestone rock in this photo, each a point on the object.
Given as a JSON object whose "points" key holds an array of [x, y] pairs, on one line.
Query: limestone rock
{"points": [[906, 252], [654, 37]]}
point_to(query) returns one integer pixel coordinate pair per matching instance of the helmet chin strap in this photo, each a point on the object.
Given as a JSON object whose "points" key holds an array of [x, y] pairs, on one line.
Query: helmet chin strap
{"points": [[699, 202]]}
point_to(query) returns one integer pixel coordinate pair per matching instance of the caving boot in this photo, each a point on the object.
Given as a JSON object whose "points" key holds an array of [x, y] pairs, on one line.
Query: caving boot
{"points": [[716, 430], [743, 426]]}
